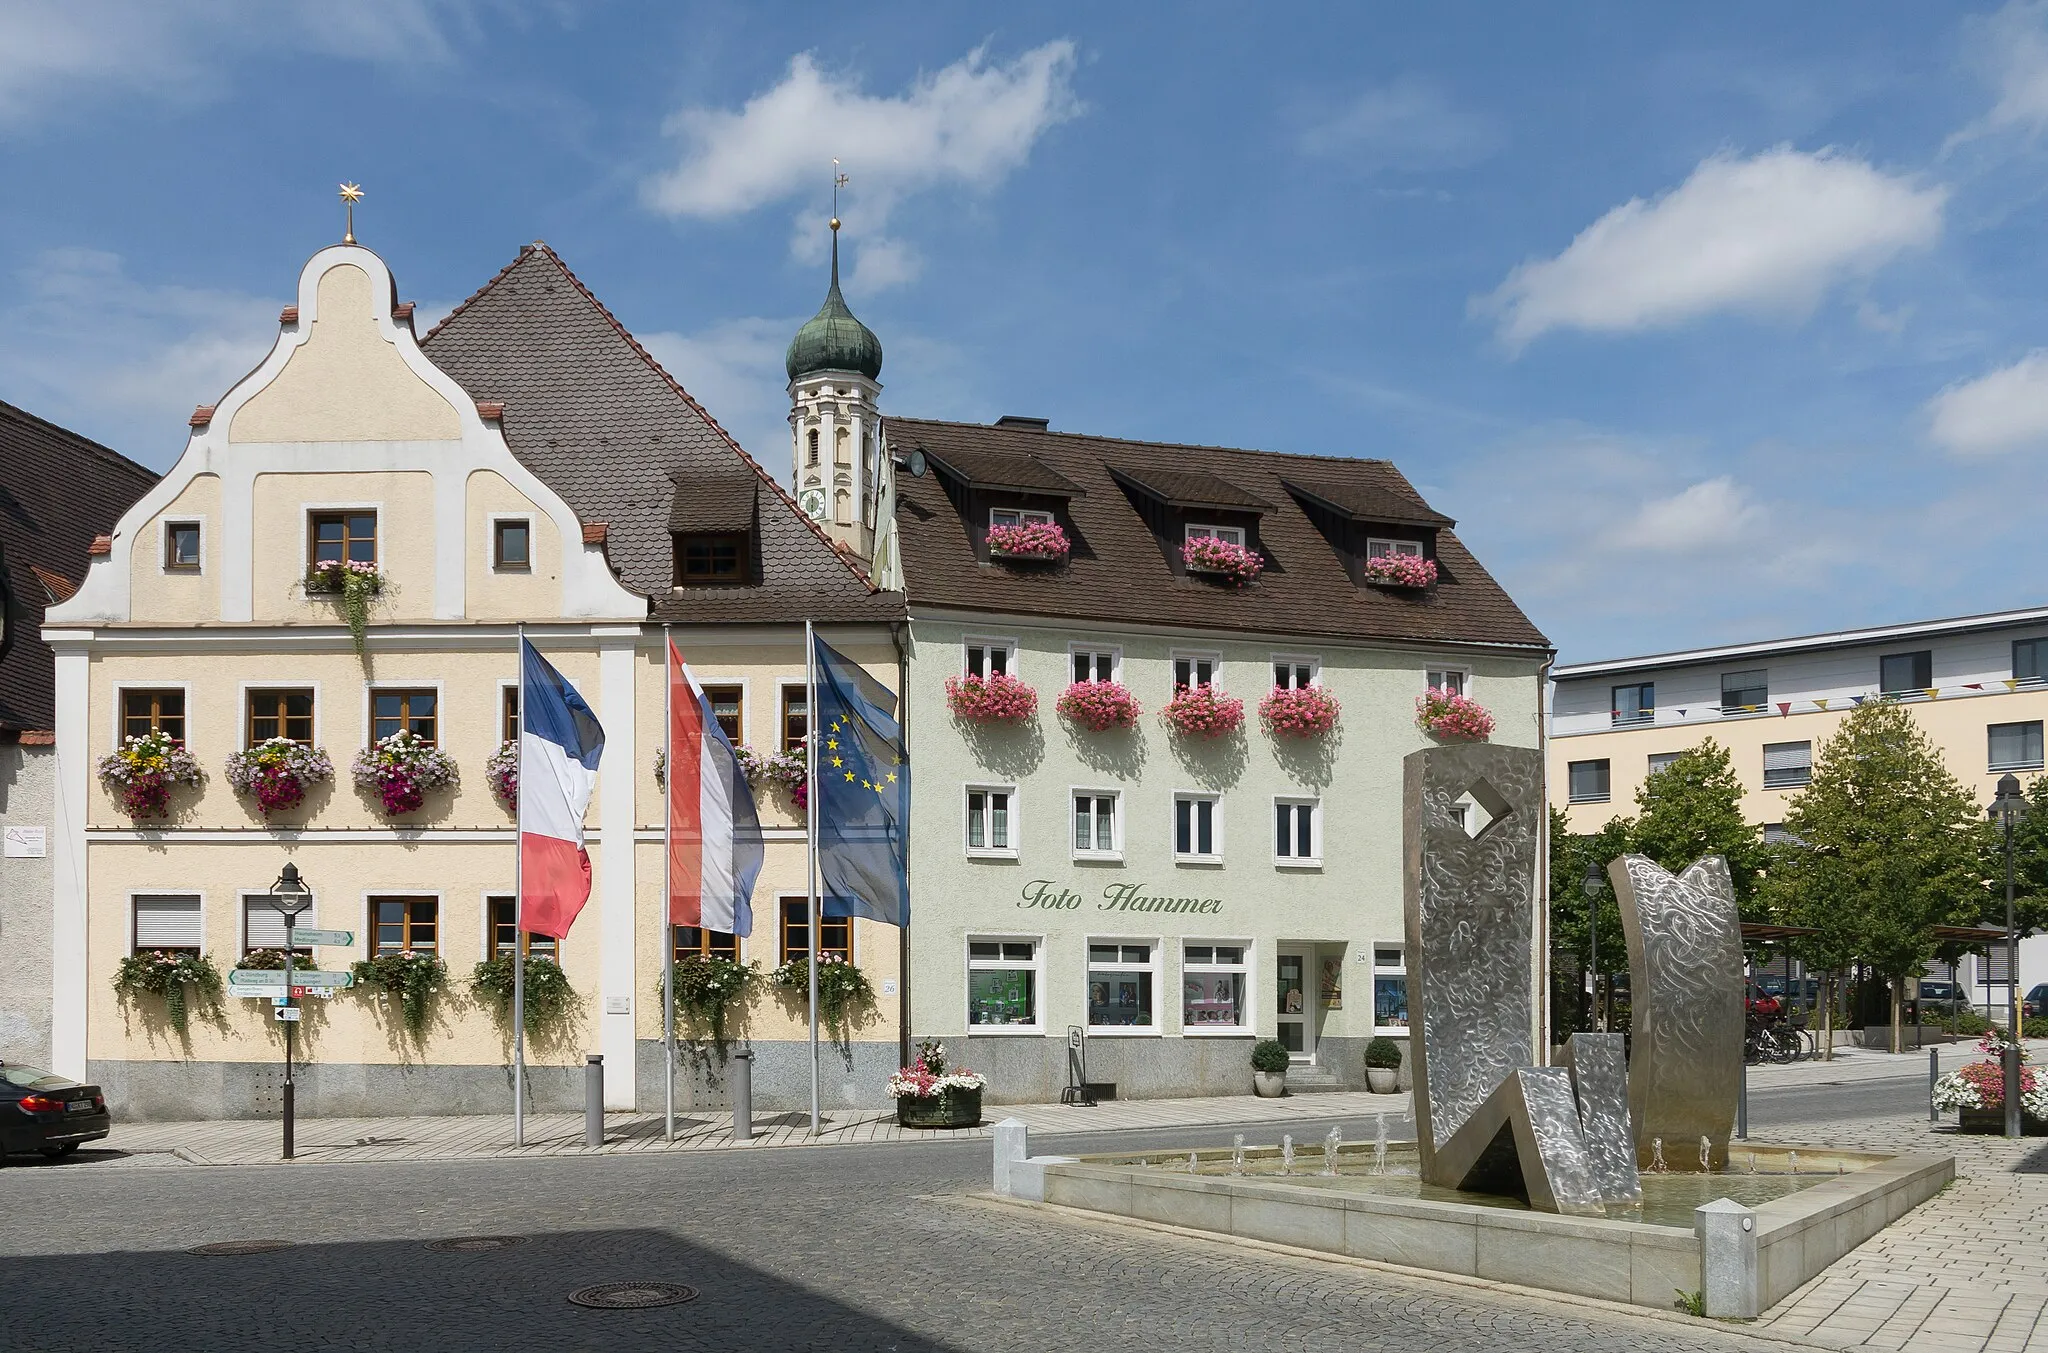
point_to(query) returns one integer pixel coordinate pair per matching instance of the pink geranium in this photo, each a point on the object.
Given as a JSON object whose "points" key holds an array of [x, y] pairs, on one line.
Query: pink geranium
{"points": [[1237, 564], [1400, 570], [1203, 712], [1032, 540], [1307, 711], [1100, 705], [991, 699], [1446, 714]]}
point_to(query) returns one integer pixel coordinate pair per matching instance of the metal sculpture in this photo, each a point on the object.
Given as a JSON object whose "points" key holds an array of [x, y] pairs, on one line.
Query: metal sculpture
{"points": [[1599, 1067], [1685, 992]]}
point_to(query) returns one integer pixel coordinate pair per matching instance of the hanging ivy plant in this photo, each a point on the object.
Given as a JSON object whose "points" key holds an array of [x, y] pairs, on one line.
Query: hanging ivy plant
{"points": [[843, 992], [353, 583], [409, 978], [708, 990], [550, 1000], [173, 977]]}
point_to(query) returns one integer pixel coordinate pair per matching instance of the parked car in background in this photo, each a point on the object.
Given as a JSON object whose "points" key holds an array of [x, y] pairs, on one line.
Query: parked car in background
{"points": [[48, 1113], [1762, 1004], [1939, 996], [2035, 1002]]}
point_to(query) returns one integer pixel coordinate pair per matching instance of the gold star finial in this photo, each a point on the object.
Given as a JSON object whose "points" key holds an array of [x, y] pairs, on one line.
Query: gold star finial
{"points": [[350, 195], [839, 181]]}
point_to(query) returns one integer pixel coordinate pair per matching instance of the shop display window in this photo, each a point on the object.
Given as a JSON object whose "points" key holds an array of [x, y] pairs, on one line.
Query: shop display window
{"points": [[1002, 983], [1389, 989], [1120, 985], [1213, 982]]}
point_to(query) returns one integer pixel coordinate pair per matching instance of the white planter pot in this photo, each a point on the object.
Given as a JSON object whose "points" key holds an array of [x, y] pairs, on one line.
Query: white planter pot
{"points": [[1269, 1084], [1384, 1080]]}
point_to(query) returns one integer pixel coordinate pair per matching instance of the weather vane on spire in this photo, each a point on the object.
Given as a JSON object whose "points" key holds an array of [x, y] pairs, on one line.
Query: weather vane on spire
{"points": [[839, 181], [350, 195]]}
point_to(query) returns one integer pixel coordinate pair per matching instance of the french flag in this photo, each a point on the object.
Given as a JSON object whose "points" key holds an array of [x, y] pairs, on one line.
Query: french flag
{"points": [[714, 832], [559, 744]]}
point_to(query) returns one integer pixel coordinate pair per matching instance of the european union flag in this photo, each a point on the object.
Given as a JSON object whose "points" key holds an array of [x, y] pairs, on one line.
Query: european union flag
{"points": [[863, 781]]}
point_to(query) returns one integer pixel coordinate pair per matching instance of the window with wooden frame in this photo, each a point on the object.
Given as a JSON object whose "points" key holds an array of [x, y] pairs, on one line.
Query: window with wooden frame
{"points": [[512, 544], [280, 714], [709, 557], [510, 702], [342, 537], [414, 712], [693, 941], [146, 712], [796, 717], [835, 931], [181, 546], [405, 925], [726, 707], [502, 922]]}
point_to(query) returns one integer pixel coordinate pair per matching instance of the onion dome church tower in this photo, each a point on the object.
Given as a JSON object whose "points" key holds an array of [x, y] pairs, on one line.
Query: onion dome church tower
{"points": [[833, 363]]}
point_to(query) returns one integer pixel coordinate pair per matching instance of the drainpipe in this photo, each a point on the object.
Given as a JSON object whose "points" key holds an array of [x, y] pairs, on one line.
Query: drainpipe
{"points": [[898, 633], [1543, 844]]}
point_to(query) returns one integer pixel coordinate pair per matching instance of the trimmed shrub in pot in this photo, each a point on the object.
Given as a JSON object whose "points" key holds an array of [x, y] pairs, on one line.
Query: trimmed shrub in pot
{"points": [[1383, 1065], [1269, 1068]]}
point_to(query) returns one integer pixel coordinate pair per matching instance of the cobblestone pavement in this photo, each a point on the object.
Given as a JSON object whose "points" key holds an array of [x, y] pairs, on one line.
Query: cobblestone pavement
{"points": [[1965, 1271], [254, 1141], [852, 1248]]}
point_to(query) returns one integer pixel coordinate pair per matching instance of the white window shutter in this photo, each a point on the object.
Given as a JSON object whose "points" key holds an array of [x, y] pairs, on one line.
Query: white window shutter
{"points": [[167, 923]]}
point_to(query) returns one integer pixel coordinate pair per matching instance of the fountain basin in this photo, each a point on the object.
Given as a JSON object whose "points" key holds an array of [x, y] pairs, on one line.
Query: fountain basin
{"points": [[1793, 1236]]}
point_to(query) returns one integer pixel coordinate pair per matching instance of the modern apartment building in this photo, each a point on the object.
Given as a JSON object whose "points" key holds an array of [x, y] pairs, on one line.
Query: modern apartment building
{"points": [[1977, 684]]}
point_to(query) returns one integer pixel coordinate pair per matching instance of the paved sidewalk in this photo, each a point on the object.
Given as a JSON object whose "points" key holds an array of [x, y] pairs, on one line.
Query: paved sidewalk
{"points": [[1852, 1065], [256, 1141]]}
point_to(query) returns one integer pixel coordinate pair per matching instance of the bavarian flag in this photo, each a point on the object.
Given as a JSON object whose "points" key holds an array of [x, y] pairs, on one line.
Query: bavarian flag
{"points": [[863, 788]]}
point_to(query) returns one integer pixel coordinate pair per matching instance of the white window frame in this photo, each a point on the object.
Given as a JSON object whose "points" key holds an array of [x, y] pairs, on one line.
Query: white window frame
{"points": [[1249, 967], [135, 894], [1200, 530], [163, 545], [1155, 945], [1433, 677], [1379, 970], [1116, 826], [988, 642], [1315, 831], [491, 542], [1094, 651], [1025, 516], [987, 852], [1376, 546], [1037, 968], [244, 898], [1215, 857], [1191, 656], [1312, 661]]}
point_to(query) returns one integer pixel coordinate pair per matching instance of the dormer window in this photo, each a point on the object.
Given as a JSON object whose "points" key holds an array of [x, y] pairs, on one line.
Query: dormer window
{"points": [[1377, 548], [1018, 516], [1229, 535], [710, 558], [711, 524]]}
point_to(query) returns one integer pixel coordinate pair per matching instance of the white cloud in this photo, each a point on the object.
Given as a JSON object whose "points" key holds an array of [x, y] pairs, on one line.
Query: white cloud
{"points": [[124, 361], [882, 263], [1711, 514], [2011, 47], [1409, 123], [52, 54], [1764, 235], [734, 369], [970, 124], [2006, 410]]}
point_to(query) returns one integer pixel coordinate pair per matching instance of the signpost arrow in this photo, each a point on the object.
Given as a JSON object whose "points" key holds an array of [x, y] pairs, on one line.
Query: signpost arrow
{"points": [[287, 1012], [242, 981], [301, 935]]}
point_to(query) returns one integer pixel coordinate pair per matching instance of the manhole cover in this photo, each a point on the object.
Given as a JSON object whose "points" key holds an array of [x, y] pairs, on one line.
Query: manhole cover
{"points": [[475, 1244], [632, 1296], [241, 1247]]}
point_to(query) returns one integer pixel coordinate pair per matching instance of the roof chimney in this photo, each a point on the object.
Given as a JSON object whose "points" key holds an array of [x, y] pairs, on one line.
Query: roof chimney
{"points": [[1023, 424]]}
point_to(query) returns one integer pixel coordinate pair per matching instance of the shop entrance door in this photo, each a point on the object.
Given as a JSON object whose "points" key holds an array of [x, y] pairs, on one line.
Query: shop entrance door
{"points": [[1296, 1013]]}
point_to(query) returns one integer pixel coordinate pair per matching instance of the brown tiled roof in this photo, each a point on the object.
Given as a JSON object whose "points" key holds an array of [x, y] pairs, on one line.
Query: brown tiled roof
{"points": [[714, 502], [1119, 572], [996, 469], [1366, 502], [1188, 488], [591, 412], [58, 491]]}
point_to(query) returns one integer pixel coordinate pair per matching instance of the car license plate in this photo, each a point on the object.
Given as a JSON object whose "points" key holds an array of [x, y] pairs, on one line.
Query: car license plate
{"points": [[79, 1106]]}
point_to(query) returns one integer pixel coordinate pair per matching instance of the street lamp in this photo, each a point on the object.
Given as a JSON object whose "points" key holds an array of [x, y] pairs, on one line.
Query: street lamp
{"points": [[2008, 807], [290, 897], [1593, 885]]}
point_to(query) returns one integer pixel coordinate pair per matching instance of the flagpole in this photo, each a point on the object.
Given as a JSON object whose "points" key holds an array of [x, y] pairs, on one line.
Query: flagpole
{"points": [[811, 849], [519, 932], [668, 821]]}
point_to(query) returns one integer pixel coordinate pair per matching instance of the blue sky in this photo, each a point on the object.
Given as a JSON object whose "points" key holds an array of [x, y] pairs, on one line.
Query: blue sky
{"points": [[1707, 324]]}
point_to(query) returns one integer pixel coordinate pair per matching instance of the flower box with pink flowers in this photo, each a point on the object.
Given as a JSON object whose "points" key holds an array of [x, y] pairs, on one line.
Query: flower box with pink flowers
{"points": [[1203, 712], [1000, 698], [402, 770], [1232, 563], [1033, 542], [1100, 706], [1400, 570], [1451, 716], [1301, 712], [929, 1094]]}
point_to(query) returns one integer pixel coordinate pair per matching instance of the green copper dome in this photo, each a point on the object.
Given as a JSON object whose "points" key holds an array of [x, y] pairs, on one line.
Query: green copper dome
{"points": [[832, 339]]}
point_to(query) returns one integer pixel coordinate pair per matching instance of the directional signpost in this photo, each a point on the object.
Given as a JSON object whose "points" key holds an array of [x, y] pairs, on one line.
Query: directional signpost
{"points": [[341, 938], [292, 899]]}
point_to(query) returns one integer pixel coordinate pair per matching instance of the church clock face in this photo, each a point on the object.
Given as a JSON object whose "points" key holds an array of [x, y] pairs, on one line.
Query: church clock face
{"points": [[813, 503]]}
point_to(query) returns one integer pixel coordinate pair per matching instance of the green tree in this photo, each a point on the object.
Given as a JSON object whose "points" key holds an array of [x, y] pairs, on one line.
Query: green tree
{"points": [[1569, 942], [1693, 808], [2030, 865], [1889, 846]]}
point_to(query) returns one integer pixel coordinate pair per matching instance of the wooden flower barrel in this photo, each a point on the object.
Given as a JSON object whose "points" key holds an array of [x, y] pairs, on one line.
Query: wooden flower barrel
{"points": [[947, 1109]]}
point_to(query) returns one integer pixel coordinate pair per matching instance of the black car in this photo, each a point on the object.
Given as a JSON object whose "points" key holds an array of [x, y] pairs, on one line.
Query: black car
{"points": [[2035, 1002], [46, 1113]]}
